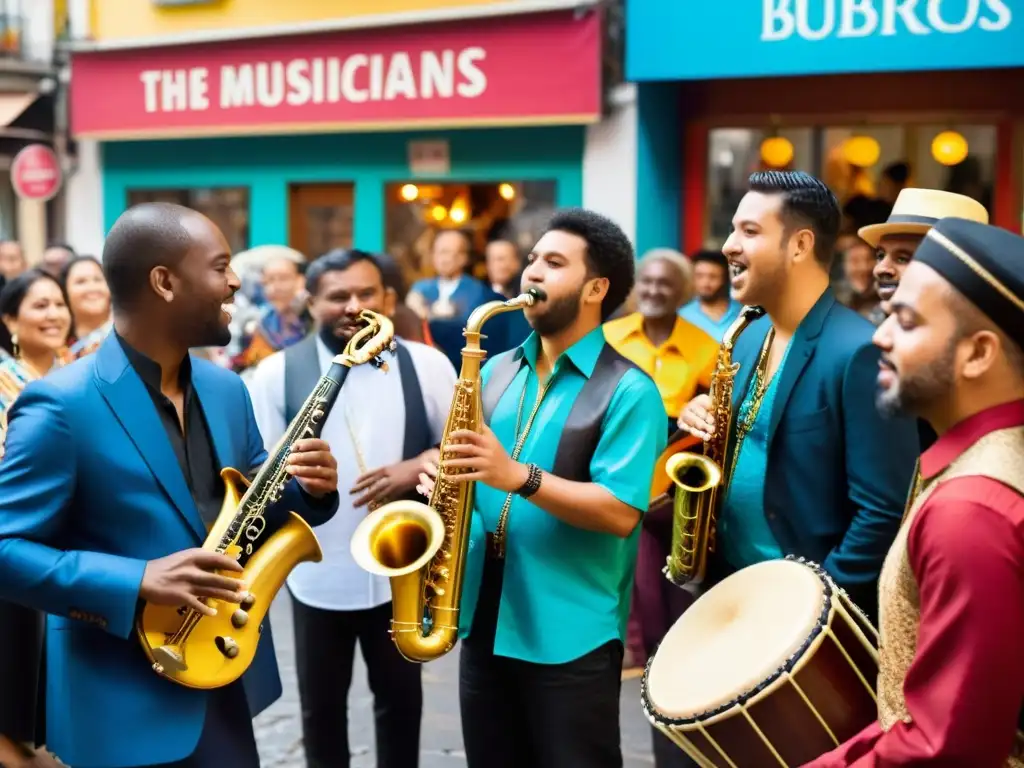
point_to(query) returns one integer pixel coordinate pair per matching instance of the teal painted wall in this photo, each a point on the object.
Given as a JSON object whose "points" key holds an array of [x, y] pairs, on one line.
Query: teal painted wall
{"points": [[658, 167], [268, 164]]}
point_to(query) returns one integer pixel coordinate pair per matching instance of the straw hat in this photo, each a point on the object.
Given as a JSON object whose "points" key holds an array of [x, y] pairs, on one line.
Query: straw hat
{"points": [[918, 210]]}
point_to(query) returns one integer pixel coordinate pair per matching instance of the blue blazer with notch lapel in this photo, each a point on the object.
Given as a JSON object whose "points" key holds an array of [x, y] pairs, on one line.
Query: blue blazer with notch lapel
{"points": [[838, 472], [90, 490]]}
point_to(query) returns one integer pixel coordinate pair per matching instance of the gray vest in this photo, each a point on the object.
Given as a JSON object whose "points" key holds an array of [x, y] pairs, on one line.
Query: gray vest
{"points": [[582, 429], [302, 372]]}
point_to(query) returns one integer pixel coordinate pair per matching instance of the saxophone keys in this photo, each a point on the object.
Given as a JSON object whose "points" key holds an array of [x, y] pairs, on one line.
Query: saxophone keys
{"points": [[227, 646]]}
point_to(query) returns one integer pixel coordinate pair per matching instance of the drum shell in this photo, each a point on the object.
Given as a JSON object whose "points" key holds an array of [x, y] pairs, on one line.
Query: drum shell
{"points": [[825, 696]]}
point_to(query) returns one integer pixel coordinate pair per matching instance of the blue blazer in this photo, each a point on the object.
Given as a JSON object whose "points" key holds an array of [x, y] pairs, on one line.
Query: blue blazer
{"points": [[838, 472], [501, 333], [90, 490]]}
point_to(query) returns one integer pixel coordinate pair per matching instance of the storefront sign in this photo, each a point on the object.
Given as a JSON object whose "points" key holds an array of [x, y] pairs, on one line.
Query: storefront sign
{"points": [[532, 69], [669, 40], [35, 173], [429, 158]]}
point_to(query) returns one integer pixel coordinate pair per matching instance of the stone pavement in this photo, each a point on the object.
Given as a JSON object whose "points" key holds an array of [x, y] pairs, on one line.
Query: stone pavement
{"points": [[279, 731]]}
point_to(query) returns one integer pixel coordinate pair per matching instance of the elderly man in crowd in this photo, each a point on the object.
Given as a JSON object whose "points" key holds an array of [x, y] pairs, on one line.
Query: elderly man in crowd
{"points": [[680, 357]]}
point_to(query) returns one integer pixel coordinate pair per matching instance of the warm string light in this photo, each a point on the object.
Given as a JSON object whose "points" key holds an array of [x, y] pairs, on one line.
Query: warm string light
{"points": [[949, 148]]}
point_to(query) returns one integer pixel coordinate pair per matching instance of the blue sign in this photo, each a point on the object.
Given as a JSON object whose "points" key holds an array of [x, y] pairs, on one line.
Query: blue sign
{"points": [[704, 39]]}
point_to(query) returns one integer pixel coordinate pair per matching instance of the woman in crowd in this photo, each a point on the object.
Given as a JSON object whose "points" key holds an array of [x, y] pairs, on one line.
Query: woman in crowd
{"points": [[89, 302], [34, 332]]}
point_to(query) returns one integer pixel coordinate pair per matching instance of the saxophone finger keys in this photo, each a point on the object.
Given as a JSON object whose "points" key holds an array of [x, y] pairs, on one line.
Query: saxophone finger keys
{"points": [[696, 418], [485, 458], [312, 464]]}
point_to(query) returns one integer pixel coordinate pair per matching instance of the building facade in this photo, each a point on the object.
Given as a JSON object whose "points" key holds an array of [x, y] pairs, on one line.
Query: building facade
{"points": [[866, 94], [30, 102], [287, 124]]}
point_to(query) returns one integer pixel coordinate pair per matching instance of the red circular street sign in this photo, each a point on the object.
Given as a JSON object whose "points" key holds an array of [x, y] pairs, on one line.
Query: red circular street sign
{"points": [[35, 173]]}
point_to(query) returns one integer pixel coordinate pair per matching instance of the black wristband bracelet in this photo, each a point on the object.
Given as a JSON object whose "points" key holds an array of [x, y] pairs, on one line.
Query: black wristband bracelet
{"points": [[527, 489]]}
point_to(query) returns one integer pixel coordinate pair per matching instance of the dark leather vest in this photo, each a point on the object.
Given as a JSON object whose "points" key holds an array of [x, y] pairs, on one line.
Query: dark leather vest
{"points": [[302, 372], [582, 429]]}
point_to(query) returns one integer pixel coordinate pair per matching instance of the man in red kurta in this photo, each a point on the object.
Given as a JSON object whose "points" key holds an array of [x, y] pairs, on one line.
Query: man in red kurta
{"points": [[951, 681]]}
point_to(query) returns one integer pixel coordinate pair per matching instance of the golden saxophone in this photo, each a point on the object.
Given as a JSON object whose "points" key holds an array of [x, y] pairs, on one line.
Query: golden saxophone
{"points": [[207, 652], [700, 477], [422, 548]]}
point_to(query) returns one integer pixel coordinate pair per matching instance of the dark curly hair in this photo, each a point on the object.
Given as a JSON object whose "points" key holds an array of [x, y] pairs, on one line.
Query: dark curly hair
{"points": [[609, 253], [806, 203]]}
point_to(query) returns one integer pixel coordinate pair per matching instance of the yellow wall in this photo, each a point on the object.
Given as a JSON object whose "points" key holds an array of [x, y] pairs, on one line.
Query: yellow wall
{"points": [[128, 19]]}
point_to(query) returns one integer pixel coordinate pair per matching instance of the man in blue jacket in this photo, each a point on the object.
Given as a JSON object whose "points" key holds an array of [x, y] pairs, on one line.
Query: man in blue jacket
{"points": [[812, 469], [108, 488]]}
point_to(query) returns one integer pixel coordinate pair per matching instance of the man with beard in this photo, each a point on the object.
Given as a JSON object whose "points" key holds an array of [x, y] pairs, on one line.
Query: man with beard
{"points": [[563, 473], [812, 468], [108, 488], [713, 309], [381, 435], [916, 211], [951, 676]]}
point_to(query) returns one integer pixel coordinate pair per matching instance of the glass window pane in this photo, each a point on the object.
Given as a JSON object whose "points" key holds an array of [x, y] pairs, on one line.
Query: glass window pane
{"points": [[847, 180], [417, 211], [735, 153], [974, 176], [227, 207]]}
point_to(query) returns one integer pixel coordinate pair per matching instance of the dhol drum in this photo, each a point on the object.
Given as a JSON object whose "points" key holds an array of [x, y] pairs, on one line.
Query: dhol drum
{"points": [[773, 666]]}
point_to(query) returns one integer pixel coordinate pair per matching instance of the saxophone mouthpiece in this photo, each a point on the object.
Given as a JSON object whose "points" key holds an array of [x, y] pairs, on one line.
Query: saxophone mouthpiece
{"points": [[537, 294]]}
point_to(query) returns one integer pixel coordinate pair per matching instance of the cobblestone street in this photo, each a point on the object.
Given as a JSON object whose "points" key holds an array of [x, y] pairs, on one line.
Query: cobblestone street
{"points": [[279, 732]]}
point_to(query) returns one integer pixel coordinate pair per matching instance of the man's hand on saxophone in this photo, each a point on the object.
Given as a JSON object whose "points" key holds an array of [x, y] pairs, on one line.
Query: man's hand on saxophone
{"points": [[427, 476], [697, 419], [486, 460]]}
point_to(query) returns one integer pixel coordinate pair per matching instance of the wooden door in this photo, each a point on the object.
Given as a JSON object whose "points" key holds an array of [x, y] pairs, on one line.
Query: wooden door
{"points": [[319, 218]]}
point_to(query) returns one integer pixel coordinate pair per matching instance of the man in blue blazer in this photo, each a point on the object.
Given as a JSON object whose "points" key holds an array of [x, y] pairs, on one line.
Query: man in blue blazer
{"points": [[108, 487], [448, 299], [815, 470]]}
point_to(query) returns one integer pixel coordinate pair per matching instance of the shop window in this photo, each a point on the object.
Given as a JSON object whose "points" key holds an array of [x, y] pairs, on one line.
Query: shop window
{"points": [[320, 217], [936, 147], [416, 211], [735, 153], [227, 207], [865, 165]]}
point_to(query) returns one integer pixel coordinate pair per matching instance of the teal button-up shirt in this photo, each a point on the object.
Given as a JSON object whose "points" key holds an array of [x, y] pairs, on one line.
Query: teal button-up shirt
{"points": [[565, 591]]}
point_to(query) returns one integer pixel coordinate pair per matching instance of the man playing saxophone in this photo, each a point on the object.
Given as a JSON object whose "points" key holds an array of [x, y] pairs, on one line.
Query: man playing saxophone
{"points": [[108, 488], [378, 435], [562, 471], [811, 467]]}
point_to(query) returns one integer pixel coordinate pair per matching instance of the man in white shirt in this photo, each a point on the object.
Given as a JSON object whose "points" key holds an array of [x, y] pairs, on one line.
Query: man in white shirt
{"points": [[381, 430]]}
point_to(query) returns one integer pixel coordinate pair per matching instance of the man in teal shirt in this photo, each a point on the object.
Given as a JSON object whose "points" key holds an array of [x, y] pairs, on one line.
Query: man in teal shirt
{"points": [[563, 474]]}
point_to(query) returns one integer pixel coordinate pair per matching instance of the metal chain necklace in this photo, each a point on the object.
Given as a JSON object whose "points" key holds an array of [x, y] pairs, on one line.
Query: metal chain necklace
{"points": [[500, 531], [751, 407]]}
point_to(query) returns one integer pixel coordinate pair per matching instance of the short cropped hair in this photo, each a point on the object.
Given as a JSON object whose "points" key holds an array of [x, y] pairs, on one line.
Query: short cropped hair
{"points": [[338, 260], [609, 253], [806, 203], [144, 237], [711, 257]]}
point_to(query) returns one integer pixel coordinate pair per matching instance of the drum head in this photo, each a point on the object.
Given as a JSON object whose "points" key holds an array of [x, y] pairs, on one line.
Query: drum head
{"points": [[734, 638]]}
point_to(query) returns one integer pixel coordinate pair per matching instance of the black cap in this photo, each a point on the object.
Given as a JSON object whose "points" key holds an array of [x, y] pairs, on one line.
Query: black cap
{"points": [[985, 264]]}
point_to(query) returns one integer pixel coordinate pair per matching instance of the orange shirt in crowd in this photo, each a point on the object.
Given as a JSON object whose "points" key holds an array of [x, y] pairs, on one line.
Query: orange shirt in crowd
{"points": [[680, 366]]}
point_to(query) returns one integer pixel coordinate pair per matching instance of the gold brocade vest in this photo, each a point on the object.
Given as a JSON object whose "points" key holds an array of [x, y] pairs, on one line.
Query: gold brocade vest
{"points": [[998, 455]]}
